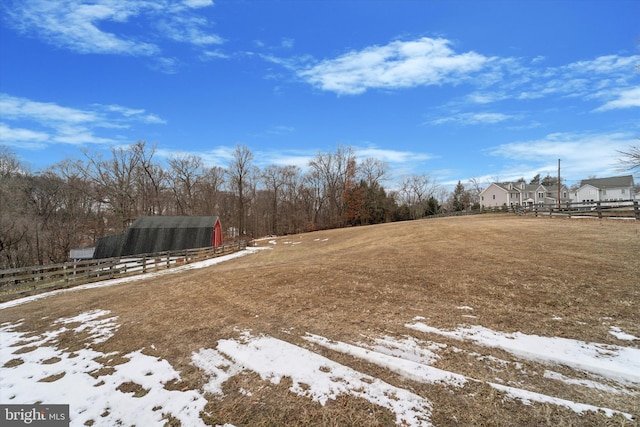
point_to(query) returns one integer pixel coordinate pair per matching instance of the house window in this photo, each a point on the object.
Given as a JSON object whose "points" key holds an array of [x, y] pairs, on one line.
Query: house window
{"points": [[540, 195], [482, 197], [622, 190], [494, 197]]}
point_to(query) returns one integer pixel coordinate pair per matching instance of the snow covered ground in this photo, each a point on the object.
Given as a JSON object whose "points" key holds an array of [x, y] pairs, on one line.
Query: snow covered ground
{"points": [[106, 389]]}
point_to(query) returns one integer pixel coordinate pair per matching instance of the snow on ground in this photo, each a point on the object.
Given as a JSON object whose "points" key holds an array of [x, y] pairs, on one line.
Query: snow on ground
{"points": [[621, 364], [621, 335], [313, 375], [110, 389], [101, 388], [112, 282], [34, 369]]}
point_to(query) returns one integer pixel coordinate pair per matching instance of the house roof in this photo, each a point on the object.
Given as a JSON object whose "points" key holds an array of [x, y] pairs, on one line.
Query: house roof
{"points": [[611, 182]]}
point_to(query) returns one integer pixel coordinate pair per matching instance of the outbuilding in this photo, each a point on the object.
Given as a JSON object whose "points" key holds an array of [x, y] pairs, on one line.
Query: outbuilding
{"points": [[149, 234]]}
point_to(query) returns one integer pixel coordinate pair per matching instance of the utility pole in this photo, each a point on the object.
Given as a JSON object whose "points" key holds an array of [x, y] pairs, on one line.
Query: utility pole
{"points": [[558, 184]]}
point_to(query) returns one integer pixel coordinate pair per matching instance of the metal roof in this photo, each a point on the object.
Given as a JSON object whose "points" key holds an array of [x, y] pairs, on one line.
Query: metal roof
{"points": [[150, 234]]}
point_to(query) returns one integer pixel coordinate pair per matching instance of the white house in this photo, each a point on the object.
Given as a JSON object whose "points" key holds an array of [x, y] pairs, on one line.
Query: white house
{"points": [[500, 194], [605, 189]]}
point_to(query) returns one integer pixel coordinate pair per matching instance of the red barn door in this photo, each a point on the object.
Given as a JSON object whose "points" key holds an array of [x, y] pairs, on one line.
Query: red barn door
{"points": [[217, 234]]}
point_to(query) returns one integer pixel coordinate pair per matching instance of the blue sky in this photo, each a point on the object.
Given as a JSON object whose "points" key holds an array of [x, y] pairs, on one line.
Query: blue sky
{"points": [[454, 89]]}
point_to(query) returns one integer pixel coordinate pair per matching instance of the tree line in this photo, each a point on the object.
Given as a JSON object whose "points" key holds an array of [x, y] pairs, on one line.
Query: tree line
{"points": [[71, 204], [74, 202]]}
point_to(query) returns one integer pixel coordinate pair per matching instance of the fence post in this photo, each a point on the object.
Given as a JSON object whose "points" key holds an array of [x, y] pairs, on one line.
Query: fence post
{"points": [[599, 209], [569, 209], [636, 209], [144, 263]]}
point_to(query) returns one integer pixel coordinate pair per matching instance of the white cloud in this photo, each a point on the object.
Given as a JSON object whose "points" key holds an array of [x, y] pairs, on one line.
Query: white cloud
{"points": [[22, 137], [396, 65], [625, 99], [198, 3], [188, 29], [78, 26], [391, 156], [473, 118], [581, 155], [14, 107], [40, 123]]}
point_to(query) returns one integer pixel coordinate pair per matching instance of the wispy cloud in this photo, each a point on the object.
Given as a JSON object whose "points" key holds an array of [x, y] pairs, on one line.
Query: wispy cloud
{"points": [[80, 27], [581, 154], [399, 64], [623, 99], [433, 61], [473, 118], [35, 124], [395, 157]]}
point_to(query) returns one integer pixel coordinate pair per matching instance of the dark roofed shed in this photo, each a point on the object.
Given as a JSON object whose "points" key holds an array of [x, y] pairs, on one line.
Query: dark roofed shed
{"points": [[109, 246], [150, 234]]}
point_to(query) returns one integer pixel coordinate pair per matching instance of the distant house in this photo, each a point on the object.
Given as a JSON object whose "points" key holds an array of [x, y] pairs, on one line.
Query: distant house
{"points": [[614, 188], [150, 234], [500, 194]]}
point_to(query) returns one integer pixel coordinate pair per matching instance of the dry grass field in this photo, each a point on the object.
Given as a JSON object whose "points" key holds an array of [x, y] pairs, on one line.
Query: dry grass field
{"points": [[573, 279]]}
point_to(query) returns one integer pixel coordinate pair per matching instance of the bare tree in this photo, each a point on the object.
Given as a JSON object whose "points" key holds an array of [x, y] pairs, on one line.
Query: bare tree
{"points": [[373, 171], [239, 171], [274, 178], [208, 191], [476, 189], [114, 182], [185, 174], [415, 192], [630, 158], [151, 180], [332, 169]]}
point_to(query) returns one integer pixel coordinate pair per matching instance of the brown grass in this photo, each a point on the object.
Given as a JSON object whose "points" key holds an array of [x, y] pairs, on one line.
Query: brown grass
{"points": [[516, 272]]}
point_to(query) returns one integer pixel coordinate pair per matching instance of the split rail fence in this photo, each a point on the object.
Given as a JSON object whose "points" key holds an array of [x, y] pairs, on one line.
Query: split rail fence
{"points": [[18, 282], [624, 209]]}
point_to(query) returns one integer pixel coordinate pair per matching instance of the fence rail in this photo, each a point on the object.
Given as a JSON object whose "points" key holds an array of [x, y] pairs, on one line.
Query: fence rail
{"points": [[17, 282], [622, 209]]}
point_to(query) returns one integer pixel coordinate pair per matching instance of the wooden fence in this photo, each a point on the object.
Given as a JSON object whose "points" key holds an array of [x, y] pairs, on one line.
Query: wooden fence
{"points": [[24, 281], [624, 209]]}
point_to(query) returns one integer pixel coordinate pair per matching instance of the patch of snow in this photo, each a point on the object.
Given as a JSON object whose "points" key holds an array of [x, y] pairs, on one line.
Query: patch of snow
{"points": [[113, 282], [464, 307], [618, 333], [315, 376], [526, 396], [93, 397], [621, 364], [273, 242], [99, 329], [407, 368], [408, 348], [423, 373], [470, 316], [217, 367], [584, 383]]}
